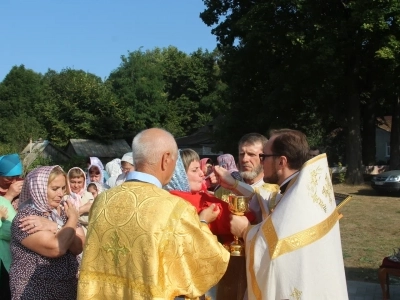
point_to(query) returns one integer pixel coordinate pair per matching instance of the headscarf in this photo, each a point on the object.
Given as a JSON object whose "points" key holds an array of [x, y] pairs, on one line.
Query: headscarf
{"points": [[34, 192], [76, 197], [99, 187], [227, 162], [100, 170], [10, 165], [128, 157], [204, 162], [179, 181], [96, 161], [114, 167]]}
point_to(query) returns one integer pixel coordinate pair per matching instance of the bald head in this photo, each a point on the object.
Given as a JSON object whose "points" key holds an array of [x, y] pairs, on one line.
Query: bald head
{"points": [[154, 152]]}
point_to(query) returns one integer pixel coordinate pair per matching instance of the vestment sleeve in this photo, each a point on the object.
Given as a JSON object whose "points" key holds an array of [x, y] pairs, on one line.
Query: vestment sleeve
{"points": [[200, 260], [245, 189]]}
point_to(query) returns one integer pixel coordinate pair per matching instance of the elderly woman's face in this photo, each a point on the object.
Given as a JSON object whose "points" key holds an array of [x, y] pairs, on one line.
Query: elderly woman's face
{"points": [[195, 176], [56, 191]]}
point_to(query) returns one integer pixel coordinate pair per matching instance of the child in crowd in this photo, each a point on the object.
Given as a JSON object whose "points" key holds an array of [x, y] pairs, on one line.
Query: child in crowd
{"points": [[96, 175], [95, 188]]}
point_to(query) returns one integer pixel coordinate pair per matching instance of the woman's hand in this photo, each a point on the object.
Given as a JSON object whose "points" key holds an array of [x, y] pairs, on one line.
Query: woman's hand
{"points": [[3, 213], [70, 210], [14, 190], [32, 224], [210, 213]]}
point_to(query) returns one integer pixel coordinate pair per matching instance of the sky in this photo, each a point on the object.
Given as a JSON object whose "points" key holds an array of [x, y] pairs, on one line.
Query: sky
{"points": [[92, 35]]}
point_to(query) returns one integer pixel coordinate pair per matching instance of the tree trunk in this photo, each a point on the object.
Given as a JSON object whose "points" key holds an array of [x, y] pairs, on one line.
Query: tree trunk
{"points": [[394, 136], [368, 133], [355, 172]]}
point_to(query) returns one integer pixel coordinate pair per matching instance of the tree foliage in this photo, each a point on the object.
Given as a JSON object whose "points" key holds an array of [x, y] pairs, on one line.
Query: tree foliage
{"points": [[19, 120], [77, 104], [309, 65], [168, 88]]}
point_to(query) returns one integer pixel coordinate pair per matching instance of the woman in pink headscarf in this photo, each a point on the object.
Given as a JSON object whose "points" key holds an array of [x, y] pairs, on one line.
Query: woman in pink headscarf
{"points": [[206, 166], [78, 195], [45, 264]]}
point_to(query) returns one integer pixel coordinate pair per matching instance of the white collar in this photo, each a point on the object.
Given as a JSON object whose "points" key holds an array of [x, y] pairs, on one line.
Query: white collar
{"points": [[144, 177]]}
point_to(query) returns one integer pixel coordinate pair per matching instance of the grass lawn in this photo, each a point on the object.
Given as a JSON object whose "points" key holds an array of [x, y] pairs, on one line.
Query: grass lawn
{"points": [[370, 229]]}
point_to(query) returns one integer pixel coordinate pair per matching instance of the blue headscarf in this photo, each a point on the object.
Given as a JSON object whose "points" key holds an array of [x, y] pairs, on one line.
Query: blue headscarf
{"points": [[179, 181], [10, 165]]}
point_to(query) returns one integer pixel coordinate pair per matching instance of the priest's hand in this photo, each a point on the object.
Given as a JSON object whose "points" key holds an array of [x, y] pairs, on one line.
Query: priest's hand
{"points": [[239, 225], [210, 213], [225, 178]]}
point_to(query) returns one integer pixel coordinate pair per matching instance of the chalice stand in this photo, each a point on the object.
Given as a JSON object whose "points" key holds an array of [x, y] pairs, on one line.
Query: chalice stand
{"points": [[238, 205]]}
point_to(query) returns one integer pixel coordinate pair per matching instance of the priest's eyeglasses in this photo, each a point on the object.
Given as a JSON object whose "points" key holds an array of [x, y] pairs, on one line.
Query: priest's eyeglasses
{"points": [[263, 156]]}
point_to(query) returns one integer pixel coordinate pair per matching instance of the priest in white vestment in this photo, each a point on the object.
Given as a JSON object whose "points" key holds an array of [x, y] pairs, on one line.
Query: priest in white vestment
{"points": [[295, 252]]}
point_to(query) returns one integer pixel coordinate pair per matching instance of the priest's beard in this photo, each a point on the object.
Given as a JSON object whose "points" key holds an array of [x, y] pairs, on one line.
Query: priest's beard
{"points": [[250, 175], [273, 178]]}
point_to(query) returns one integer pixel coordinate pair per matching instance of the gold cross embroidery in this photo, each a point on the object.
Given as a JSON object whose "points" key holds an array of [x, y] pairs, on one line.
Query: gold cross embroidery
{"points": [[115, 248], [296, 294]]}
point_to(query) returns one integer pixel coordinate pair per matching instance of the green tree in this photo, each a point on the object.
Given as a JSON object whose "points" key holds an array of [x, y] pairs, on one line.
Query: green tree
{"points": [[20, 90], [306, 64], [168, 88], [79, 105]]}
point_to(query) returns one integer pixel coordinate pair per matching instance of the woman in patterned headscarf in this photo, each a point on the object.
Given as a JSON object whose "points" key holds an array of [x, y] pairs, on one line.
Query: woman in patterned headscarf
{"points": [[44, 264]]}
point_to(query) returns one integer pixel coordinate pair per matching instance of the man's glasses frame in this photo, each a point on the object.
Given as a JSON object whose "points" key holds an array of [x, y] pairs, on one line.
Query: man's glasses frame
{"points": [[263, 156]]}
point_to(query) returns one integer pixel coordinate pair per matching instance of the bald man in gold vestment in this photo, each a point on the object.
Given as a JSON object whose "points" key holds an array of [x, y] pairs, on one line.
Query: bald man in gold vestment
{"points": [[144, 243]]}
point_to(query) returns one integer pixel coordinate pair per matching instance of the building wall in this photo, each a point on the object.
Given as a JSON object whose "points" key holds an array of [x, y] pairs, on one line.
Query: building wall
{"points": [[382, 138]]}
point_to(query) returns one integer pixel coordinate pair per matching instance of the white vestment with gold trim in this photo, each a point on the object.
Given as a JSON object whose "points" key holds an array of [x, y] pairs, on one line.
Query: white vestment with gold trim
{"points": [[296, 252]]}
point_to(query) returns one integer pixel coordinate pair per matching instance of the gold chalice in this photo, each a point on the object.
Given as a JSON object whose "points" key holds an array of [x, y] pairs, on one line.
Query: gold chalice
{"points": [[238, 205]]}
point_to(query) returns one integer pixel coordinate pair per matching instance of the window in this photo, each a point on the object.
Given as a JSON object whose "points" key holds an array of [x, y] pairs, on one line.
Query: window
{"points": [[387, 149]]}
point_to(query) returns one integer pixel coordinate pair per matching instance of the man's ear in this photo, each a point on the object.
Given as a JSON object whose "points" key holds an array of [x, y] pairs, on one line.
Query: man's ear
{"points": [[283, 161], [165, 160]]}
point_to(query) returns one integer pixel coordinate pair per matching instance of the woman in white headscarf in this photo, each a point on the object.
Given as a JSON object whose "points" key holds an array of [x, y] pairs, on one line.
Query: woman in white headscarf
{"points": [[95, 174], [114, 169], [127, 166], [45, 264], [96, 161]]}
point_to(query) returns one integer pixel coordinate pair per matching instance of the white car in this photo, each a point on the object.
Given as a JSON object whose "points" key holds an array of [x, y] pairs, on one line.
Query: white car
{"points": [[387, 181]]}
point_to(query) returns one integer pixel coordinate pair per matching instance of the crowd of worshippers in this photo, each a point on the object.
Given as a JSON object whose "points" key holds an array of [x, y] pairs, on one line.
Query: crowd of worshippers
{"points": [[156, 224]]}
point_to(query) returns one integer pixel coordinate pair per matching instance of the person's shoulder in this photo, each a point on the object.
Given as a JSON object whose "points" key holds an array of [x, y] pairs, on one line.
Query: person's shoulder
{"points": [[26, 211]]}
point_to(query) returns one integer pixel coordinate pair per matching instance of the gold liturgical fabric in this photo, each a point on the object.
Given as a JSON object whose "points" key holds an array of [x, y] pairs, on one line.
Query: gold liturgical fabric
{"points": [[144, 243]]}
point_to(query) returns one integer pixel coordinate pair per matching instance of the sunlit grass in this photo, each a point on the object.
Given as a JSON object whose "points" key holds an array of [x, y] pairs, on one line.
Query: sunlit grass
{"points": [[370, 229]]}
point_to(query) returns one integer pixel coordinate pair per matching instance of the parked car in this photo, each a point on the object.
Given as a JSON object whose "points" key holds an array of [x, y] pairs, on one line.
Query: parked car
{"points": [[387, 181]]}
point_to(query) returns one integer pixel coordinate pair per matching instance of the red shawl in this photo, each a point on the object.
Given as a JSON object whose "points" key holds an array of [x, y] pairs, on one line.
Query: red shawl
{"points": [[221, 226]]}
